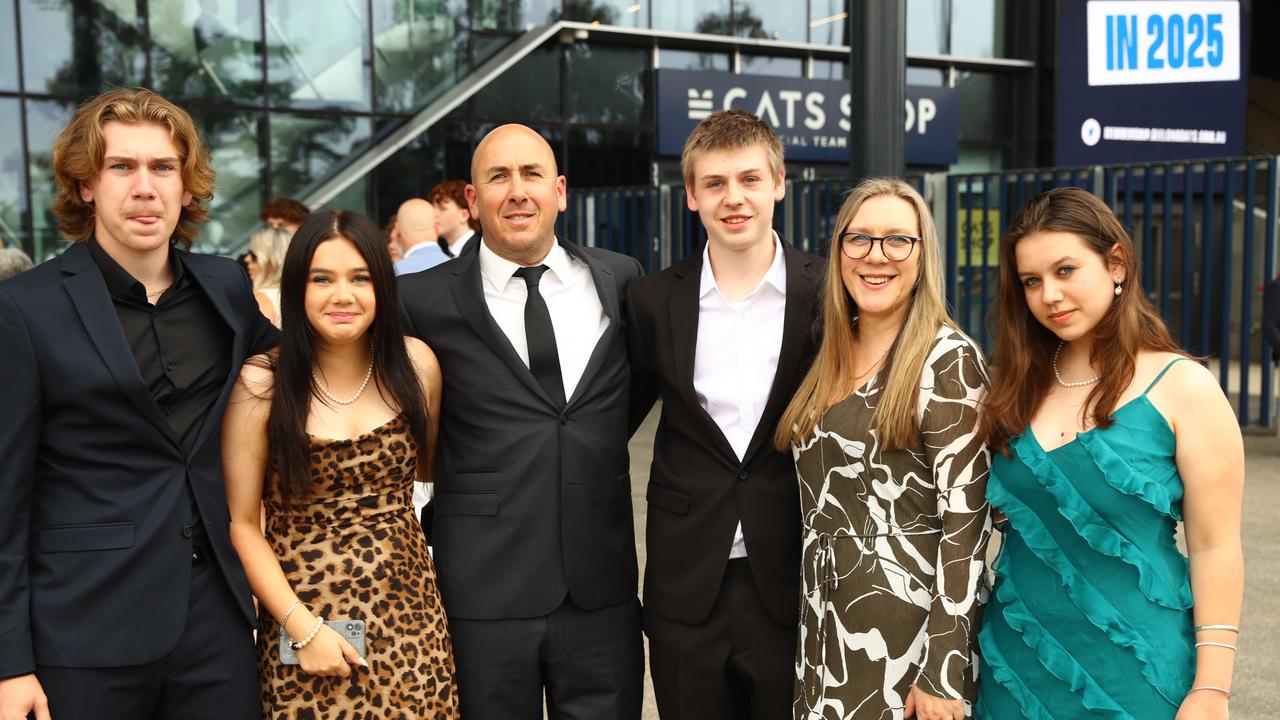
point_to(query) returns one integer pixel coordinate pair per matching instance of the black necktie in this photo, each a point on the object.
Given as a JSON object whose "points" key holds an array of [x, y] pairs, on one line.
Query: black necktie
{"points": [[544, 359]]}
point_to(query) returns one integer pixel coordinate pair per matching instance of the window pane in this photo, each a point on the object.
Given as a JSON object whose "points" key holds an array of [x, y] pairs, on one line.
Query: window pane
{"points": [[627, 13], [441, 153], [13, 191], [602, 158], [8, 48], [767, 65], [925, 76], [45, 119], [305, 150], [420, 50], [237, 156], [529, 91], [514, 15], [768, 19], [705, 16], [828, 22], [927, 29], [979, 30], [986, 107], [206, 50], [606, 84], [831, 70], [79, 49], [318, 54], [688, 60]]}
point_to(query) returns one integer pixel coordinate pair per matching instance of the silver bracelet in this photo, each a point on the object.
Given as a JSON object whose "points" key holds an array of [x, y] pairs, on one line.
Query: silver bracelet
{"points": [[1224, 691], [289, 612], [1229, 628], [312, 636], [1202, 643]]}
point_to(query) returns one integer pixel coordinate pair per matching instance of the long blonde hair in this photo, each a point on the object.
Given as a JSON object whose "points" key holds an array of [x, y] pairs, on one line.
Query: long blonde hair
{"points": [[268, 245], [831, 377]]}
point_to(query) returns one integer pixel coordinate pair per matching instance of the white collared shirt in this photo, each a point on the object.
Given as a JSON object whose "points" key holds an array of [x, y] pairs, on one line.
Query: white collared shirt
{"points": [[577, 317], [737, 355], [456, 247]]}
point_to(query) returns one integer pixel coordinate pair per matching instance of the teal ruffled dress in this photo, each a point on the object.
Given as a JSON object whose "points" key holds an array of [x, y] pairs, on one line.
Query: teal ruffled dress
{"points": [[1091, 614]]}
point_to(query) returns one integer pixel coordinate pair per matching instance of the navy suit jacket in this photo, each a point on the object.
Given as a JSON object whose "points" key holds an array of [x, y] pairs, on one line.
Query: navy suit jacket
{"points": [[95, 490]]}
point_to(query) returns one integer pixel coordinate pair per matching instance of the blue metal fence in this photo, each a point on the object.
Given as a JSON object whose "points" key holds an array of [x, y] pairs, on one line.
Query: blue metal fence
{"points": [[1205, 233]]}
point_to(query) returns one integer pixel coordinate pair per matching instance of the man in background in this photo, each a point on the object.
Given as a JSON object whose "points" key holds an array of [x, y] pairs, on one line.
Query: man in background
{"points": [[415, 230], [285, 213], [453, 218]]}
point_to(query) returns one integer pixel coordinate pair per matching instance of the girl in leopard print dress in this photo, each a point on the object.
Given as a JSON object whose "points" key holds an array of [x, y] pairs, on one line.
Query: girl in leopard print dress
{"points": [[329, 433]]}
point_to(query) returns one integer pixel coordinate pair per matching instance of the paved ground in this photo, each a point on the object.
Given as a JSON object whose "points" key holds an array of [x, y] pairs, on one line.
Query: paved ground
{"points": [[1257, 678]]}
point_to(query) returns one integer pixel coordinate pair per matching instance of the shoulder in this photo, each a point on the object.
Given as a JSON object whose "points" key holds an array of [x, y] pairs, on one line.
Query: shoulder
{"points": [[1184, 381], [624, 267], [653, 287], [420, 354], [258, 376], [951, 347], [415, 281], [215, 265], [34, 282]]}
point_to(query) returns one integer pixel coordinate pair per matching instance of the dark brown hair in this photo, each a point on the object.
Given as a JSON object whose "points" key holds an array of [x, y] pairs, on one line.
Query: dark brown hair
{"points": [[1022, 370], [287, 209], [455, 190], [79, 149]]}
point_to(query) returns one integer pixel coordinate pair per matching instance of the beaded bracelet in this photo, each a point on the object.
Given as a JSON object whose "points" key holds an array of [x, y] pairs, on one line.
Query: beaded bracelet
{"points": [[312, 636], [1224, 691]]}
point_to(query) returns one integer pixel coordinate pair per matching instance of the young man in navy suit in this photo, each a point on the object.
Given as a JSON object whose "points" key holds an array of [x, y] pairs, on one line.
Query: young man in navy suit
{"points": [[120, 593], [724, 337]]}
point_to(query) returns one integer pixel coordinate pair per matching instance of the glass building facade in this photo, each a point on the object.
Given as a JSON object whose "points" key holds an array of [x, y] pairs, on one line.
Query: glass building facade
{"points": [[286, 91]]}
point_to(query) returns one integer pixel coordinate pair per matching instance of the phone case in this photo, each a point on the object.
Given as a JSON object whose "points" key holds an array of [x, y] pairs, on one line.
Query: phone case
{"points": [[352, 630]]}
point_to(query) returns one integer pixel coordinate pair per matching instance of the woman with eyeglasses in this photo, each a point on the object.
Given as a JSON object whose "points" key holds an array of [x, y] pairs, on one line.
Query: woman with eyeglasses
{"points": [[892, 477]]}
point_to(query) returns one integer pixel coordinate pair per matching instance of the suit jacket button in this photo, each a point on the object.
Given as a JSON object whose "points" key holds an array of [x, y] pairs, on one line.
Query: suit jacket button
{"points": [[187, 532], [743, 475], [564, 420]]}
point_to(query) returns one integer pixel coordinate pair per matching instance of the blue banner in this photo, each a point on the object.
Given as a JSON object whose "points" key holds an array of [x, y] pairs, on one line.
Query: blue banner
{"points": [[1150, 80], [811, 117]]}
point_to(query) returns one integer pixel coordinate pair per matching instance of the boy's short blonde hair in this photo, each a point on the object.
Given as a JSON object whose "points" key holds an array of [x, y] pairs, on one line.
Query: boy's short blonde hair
{"points": [[730, 130]]}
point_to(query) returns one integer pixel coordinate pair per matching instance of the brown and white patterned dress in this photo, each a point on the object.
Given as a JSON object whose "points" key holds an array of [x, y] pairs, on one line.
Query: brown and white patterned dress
{"points": [[354, 550], [894, 547]]}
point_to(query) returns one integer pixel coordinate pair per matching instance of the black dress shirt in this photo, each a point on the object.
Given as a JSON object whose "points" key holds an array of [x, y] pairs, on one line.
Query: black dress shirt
{"points": [[181, 344]]}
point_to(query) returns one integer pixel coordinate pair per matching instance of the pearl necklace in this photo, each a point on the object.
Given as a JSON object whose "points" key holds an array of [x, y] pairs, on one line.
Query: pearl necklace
{"points": [[1058, 375], [325, 390]]}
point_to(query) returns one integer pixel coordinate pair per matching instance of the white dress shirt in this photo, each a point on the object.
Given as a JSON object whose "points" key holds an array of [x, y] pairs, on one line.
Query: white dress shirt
{"points": [[455, 247], [577, 317], [737, 355]]}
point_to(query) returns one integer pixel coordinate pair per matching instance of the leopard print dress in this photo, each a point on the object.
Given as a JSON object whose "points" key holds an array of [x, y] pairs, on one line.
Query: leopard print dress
{"points": [[354, 550]]}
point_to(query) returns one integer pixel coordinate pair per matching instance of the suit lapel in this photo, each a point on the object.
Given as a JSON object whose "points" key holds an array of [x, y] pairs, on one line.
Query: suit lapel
{"points": [[795, 328], [89, 295], [468, 292], [684, 311], [607, 289], [217, 296]]}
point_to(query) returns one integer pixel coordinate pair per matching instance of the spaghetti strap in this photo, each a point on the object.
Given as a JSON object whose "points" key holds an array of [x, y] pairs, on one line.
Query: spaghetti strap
{"points": [[1162, 372]]}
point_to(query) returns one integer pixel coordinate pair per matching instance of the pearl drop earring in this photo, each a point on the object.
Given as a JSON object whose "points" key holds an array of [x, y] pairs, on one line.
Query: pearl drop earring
{"points": [[1119, 289]]}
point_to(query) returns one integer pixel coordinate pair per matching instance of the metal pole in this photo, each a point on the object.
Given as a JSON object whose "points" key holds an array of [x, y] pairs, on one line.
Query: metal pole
{"points": [[878, 85]]}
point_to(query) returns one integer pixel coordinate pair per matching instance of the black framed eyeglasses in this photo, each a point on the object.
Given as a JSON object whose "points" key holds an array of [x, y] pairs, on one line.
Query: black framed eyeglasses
{"points": [[856, 246]]}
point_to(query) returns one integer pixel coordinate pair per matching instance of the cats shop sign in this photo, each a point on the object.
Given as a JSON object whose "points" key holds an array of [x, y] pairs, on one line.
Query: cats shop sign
{"points": [[813, 118]]}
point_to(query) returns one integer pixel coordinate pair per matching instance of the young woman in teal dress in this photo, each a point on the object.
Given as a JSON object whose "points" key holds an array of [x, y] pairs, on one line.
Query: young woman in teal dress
{"points": [[1104, 435]]}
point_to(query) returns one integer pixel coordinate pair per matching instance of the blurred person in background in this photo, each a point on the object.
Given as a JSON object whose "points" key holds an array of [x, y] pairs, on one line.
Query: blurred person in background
{"points": [[285, 213], [267, 246], [12, 262], [416, 230], [453, 218]]}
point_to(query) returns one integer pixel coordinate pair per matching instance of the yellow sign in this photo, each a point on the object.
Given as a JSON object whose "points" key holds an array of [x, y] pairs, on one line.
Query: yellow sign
{"points": [[969, 240]]}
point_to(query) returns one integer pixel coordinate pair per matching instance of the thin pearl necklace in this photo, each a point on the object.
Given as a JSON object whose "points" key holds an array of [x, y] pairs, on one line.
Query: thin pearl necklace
{"points": [[325, 390], [1058, 375]]}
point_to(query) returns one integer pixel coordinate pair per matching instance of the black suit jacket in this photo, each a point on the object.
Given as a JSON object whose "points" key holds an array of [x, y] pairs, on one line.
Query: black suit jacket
{"points": [[531, 501], [95, 489], [698, 489]]}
